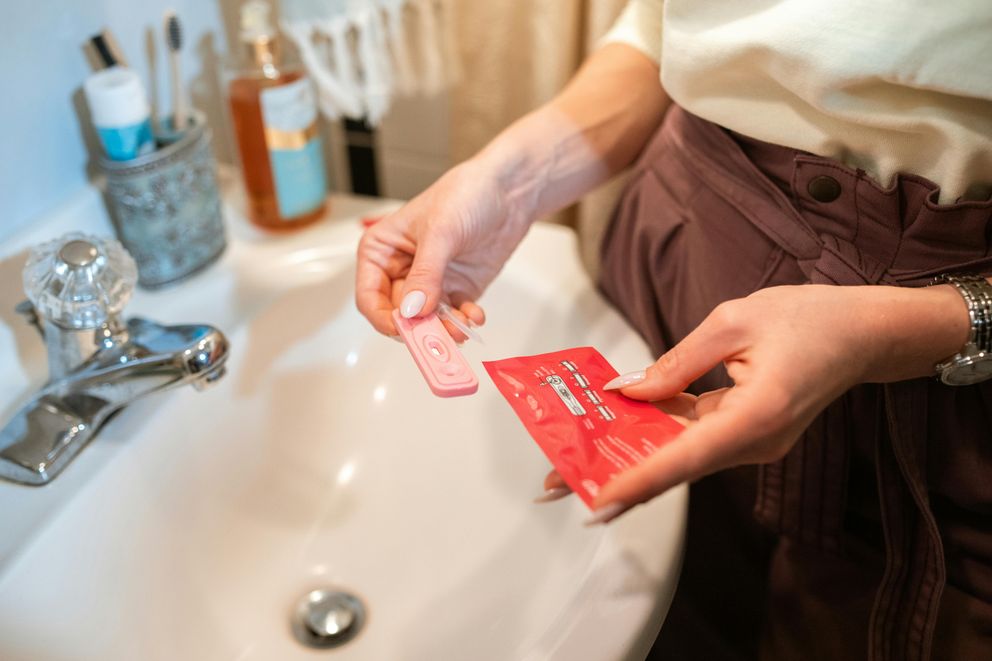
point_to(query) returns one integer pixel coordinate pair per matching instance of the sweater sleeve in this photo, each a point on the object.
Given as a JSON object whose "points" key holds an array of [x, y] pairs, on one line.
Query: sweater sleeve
{"points": [[639, 25]]}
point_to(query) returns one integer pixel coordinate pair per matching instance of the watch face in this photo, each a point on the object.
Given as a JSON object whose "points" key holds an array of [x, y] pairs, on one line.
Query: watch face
{"points": [[972, 369]]}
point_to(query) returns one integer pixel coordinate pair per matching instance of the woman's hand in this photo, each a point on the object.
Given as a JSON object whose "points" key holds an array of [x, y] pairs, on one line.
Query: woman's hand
{"points": [[790, 352], [447, 244], [681, 407], [452, 240]]}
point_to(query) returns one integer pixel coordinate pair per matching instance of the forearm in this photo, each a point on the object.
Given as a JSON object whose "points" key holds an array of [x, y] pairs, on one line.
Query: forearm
{"points": [[593, 129]]}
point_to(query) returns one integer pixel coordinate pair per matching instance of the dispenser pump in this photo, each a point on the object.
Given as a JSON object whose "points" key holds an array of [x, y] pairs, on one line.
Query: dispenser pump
{"points": [[259, 35]]}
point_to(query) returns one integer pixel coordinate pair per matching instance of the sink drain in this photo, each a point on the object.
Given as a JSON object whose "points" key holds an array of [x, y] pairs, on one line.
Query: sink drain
{"points": [[327, 618]]}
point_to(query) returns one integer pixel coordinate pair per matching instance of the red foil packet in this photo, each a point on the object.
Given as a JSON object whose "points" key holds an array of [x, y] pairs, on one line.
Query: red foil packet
{"points": [[589, 434]]}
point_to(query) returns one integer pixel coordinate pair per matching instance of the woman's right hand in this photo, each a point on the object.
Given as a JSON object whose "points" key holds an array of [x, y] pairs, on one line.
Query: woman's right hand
{"points": [[447, 244]]}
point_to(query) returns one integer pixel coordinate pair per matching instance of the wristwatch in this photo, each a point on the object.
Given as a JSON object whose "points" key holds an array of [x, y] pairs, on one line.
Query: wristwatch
{"points": [[974, 362]]}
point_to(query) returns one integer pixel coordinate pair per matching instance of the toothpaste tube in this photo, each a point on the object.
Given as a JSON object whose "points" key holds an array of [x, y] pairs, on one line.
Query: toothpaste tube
{"points": [[588, 433], [120, 113]]}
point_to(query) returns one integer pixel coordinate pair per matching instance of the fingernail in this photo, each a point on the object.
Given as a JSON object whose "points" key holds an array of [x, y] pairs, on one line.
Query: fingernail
{"points": [[606, 513], [624, 380], [555, 493], [412, 304]]}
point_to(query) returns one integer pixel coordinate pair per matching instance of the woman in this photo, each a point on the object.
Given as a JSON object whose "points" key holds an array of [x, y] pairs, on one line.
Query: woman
{"points": [[803, 172]]}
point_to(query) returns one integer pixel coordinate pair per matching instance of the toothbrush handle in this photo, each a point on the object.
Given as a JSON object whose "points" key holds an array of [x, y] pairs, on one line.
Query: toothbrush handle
{"points": [[179, 112]]}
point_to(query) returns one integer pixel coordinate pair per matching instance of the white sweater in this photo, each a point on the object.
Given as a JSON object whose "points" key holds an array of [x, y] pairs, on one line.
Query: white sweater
{"points": [[885, 85]]}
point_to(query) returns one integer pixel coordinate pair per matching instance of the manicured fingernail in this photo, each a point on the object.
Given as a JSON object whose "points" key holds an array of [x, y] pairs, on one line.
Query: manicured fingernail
{"points": [[624, 380], [606, 513], [555, 493], [412, 304]]}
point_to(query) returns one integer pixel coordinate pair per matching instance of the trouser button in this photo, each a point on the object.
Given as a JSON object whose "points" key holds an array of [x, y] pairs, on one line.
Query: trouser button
{"points": [[823, 188]]}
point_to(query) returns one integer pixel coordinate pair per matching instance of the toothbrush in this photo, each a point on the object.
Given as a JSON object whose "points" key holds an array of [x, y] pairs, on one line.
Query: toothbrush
{"points": [[174, 39], [105, 51]]}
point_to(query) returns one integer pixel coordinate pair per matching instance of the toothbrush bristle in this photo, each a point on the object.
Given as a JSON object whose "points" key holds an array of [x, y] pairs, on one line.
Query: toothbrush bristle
{"points": [[173, 31]]}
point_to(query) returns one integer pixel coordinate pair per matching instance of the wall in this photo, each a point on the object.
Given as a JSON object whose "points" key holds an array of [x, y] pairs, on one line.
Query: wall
{"points": [[43, 142]]}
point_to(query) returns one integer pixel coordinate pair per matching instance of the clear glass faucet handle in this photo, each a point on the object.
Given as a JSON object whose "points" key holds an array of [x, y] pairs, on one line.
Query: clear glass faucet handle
{"points": [[79, 281]]}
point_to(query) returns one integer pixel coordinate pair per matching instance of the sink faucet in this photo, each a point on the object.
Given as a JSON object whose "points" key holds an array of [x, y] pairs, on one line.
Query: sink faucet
{"points": [[77, 287]]}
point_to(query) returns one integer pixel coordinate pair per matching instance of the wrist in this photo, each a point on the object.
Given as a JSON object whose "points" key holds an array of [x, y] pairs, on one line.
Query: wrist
{"points": [[541, 164], [916, 329]]}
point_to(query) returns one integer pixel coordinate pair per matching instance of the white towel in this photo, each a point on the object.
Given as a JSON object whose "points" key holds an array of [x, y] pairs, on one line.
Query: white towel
{"points": [[363, 53]]}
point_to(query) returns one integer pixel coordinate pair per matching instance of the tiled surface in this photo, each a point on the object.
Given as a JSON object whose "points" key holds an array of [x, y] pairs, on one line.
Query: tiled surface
{"points": [[414, 145]]}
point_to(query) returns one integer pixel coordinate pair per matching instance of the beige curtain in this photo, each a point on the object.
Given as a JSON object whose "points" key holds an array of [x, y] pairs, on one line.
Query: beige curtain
{"points": [[515, 55]]}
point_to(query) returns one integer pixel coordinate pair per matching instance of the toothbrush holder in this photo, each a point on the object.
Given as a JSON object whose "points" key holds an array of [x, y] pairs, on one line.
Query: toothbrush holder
{"points": [[166, 208]]}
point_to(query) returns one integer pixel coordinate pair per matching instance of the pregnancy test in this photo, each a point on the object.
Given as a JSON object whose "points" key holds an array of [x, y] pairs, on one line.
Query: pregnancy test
{"points": [[444, 368]]}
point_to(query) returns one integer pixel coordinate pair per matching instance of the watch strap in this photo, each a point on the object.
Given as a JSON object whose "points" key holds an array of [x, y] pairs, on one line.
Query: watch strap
{"points": [[977, 295]]}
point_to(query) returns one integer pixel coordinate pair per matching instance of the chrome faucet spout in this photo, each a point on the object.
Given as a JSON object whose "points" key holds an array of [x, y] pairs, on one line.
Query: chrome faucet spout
{"points": [[95, 370], [152, 358], [57, 423]]}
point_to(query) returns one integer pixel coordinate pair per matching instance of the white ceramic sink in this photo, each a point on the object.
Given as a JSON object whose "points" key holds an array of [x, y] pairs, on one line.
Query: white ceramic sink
{"points": [[194, 523]]}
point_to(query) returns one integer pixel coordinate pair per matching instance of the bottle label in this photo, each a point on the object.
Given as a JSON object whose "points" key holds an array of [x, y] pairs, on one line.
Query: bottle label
{"points": [[289, 113]]}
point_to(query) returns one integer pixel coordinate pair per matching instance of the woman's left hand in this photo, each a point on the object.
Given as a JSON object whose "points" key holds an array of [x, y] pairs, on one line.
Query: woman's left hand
{"points": [[790, 351]]}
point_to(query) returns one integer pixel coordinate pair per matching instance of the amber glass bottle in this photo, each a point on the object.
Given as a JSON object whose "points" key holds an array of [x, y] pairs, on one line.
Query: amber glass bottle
{"points": [[275, 123]]}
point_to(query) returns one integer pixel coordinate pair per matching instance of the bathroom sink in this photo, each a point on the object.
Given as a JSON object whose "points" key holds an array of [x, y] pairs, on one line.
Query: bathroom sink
{"points": [[195, 522]]}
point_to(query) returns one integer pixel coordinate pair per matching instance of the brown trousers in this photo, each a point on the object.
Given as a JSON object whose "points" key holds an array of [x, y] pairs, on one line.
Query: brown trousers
{"points": [[873, 537]]}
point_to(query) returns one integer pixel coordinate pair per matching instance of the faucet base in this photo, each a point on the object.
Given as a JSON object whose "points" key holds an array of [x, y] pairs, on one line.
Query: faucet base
{"points": [[46, 434]]}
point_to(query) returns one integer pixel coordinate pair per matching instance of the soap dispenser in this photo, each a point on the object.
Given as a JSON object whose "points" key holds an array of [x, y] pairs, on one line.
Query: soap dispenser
{"points": [[274, 113]]}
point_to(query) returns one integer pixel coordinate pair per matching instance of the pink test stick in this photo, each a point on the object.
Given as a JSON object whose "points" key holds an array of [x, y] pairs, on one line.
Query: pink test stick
{"points": [[444, 368]]}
